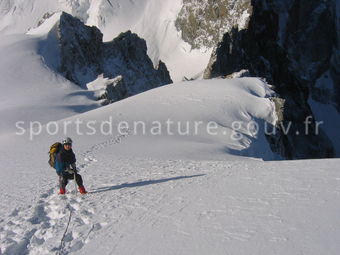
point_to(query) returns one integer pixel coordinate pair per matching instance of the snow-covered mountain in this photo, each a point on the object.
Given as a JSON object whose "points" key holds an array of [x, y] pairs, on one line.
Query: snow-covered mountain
{"points": [[31, 91], [169, 192], [63, 53], [173, 29], [183, 168], [78, 53], [152, 20]]}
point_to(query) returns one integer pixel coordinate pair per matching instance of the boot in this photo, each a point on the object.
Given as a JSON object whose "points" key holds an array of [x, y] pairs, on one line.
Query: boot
{"points": [[62, 191], [82, 190]]}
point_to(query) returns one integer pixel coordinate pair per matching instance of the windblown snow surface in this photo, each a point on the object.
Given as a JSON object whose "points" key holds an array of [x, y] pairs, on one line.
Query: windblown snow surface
{"points": [[162, 191]]}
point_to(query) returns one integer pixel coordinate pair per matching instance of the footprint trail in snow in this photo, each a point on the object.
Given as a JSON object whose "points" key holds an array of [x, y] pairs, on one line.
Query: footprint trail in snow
{"points": [[41, 229]]}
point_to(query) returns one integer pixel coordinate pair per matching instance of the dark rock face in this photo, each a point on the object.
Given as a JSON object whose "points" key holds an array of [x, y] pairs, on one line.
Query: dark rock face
{"points": [[126, 55], [294, 45], [84, 56], [80, 50]]}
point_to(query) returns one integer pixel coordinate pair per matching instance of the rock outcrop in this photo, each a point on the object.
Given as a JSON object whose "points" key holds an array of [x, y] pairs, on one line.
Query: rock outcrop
{"points": [[84, 56], [295, 46], [203, 23]]}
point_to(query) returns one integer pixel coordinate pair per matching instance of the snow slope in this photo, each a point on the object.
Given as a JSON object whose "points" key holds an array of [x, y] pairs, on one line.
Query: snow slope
{"points": [[32, 92], [170, 194], [148, 206], [18, 16], [167, 193], [220, 101], [205, 119], [154, 21]]}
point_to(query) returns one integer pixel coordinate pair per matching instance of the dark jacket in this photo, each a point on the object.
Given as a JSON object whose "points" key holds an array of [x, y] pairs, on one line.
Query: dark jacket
{"points": [[64, 159]]}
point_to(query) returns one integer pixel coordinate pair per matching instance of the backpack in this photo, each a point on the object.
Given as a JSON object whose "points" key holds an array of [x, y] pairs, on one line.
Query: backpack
{"points": [[54, 149]]}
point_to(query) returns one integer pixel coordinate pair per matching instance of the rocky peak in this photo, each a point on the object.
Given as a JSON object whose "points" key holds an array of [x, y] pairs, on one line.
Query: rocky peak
{"points": [[127, 55], [80, 50], [84, 57]]}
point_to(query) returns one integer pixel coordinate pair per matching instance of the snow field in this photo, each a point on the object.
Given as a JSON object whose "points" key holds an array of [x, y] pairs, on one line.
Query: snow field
{"points": [[150, 194], [148, 206]]}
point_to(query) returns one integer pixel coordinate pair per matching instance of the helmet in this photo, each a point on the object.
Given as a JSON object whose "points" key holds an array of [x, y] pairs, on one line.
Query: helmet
{"points": [[67, 140]]}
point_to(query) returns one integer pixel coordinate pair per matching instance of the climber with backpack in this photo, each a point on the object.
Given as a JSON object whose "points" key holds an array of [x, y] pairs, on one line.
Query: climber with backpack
{"points": [[63, 160]]}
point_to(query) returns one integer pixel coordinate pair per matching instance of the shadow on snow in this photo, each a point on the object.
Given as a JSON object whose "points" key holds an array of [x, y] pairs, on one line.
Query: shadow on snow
{"points": [[142, 183]]}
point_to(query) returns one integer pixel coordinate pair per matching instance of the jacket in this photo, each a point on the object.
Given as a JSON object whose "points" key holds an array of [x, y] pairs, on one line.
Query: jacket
{"points": [[64, 159]]}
